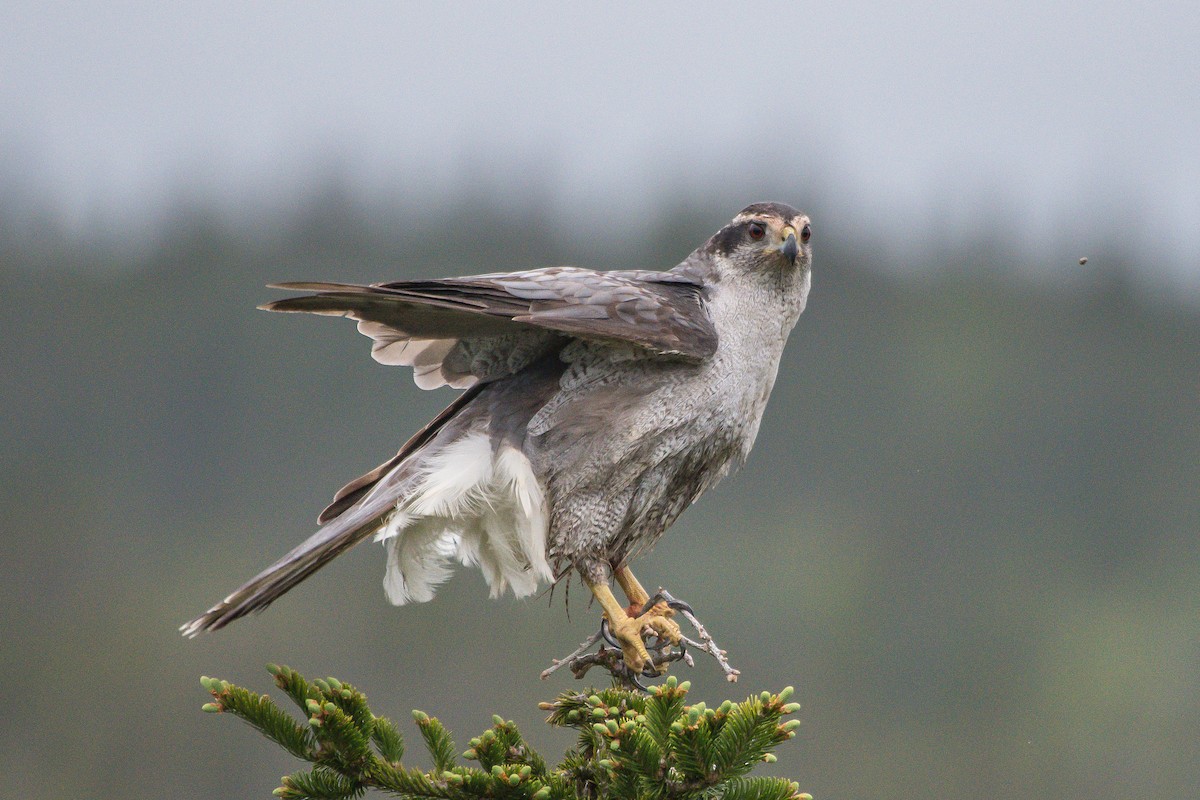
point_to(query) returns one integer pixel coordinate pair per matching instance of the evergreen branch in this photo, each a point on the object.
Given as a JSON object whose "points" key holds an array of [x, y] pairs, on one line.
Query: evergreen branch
{"points": [[351, 701], [294, 685], [343, 744], [639, 764], [437, 741], [261, 712], [487, 749], [388, 740], [319, 783], [663, 707], [750, 731], [762, 789], [743, 739], [630, 746], [516, 751], [413, 784], [691, 744]]}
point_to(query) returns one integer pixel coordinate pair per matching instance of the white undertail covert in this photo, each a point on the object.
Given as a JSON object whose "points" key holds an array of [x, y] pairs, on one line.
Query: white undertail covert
{"points": [[472, 503]]}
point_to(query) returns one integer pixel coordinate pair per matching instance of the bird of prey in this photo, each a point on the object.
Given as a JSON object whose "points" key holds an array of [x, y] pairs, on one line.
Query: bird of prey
{"points": [[596, 407]]}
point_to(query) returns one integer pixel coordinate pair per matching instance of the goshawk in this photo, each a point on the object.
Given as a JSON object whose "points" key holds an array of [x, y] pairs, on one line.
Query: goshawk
{"points": [[596, 406]]}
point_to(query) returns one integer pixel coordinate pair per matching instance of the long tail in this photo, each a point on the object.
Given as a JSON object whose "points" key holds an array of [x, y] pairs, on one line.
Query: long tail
{"points": [[331, 540], [356, 512]]}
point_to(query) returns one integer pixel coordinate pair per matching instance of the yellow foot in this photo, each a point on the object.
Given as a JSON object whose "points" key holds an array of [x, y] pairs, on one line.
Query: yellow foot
{"points": [[658, 620], [630, 626], [633, 631], [628, 632], [657, 617]]}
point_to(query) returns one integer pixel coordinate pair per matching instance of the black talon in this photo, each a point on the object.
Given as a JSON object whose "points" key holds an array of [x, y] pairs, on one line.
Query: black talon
{"points": [[652, 600], [606, 632], [672, 602], [679, 605]]}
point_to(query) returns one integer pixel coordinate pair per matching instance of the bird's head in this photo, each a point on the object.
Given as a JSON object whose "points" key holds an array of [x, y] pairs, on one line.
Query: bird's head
{"points": [[765, 236]]}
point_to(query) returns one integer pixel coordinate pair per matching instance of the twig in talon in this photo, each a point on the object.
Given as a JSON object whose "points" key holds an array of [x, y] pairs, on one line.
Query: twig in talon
{"points": [[559, 663], [612, 661], [659, 645], [604, 657], [707, 644]]}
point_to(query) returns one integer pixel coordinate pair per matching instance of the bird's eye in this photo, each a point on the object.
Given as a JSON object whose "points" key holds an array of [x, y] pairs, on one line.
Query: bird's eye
{"points": [[757, 231], [806, 233]]}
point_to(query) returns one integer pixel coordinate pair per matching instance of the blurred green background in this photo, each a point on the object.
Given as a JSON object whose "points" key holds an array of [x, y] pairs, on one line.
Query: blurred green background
{"points": [[968, 533]]}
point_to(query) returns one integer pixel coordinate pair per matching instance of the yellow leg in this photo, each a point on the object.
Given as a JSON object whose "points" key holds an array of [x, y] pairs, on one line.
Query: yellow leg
{"points": [[632, 588], [626, 629], [657, 617]]}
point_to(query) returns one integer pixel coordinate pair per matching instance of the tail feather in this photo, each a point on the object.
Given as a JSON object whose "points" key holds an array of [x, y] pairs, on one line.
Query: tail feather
{"points": [[331, 540], [358, 510]]}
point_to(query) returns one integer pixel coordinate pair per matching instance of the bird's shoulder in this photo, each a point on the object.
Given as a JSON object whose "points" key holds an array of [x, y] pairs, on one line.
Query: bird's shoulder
{"points": [[662, 311]]}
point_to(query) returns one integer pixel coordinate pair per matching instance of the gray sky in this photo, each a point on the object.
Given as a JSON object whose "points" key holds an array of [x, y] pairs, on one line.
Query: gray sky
{"points": [[1057, 118]]}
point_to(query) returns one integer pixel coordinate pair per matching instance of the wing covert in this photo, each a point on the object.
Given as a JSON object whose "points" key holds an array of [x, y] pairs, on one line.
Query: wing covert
{"points": [[459, 331]]}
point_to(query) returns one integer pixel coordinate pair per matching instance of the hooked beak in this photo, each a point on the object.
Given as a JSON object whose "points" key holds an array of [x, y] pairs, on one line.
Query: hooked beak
{"points": [[790, 248]]}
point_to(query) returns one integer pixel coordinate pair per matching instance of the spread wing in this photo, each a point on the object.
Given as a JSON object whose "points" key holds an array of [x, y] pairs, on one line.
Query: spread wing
{"points": [[460, 331]]}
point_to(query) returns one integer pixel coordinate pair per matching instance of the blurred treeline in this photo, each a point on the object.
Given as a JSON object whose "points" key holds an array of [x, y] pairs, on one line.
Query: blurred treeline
{"points": [[968, 533]]}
